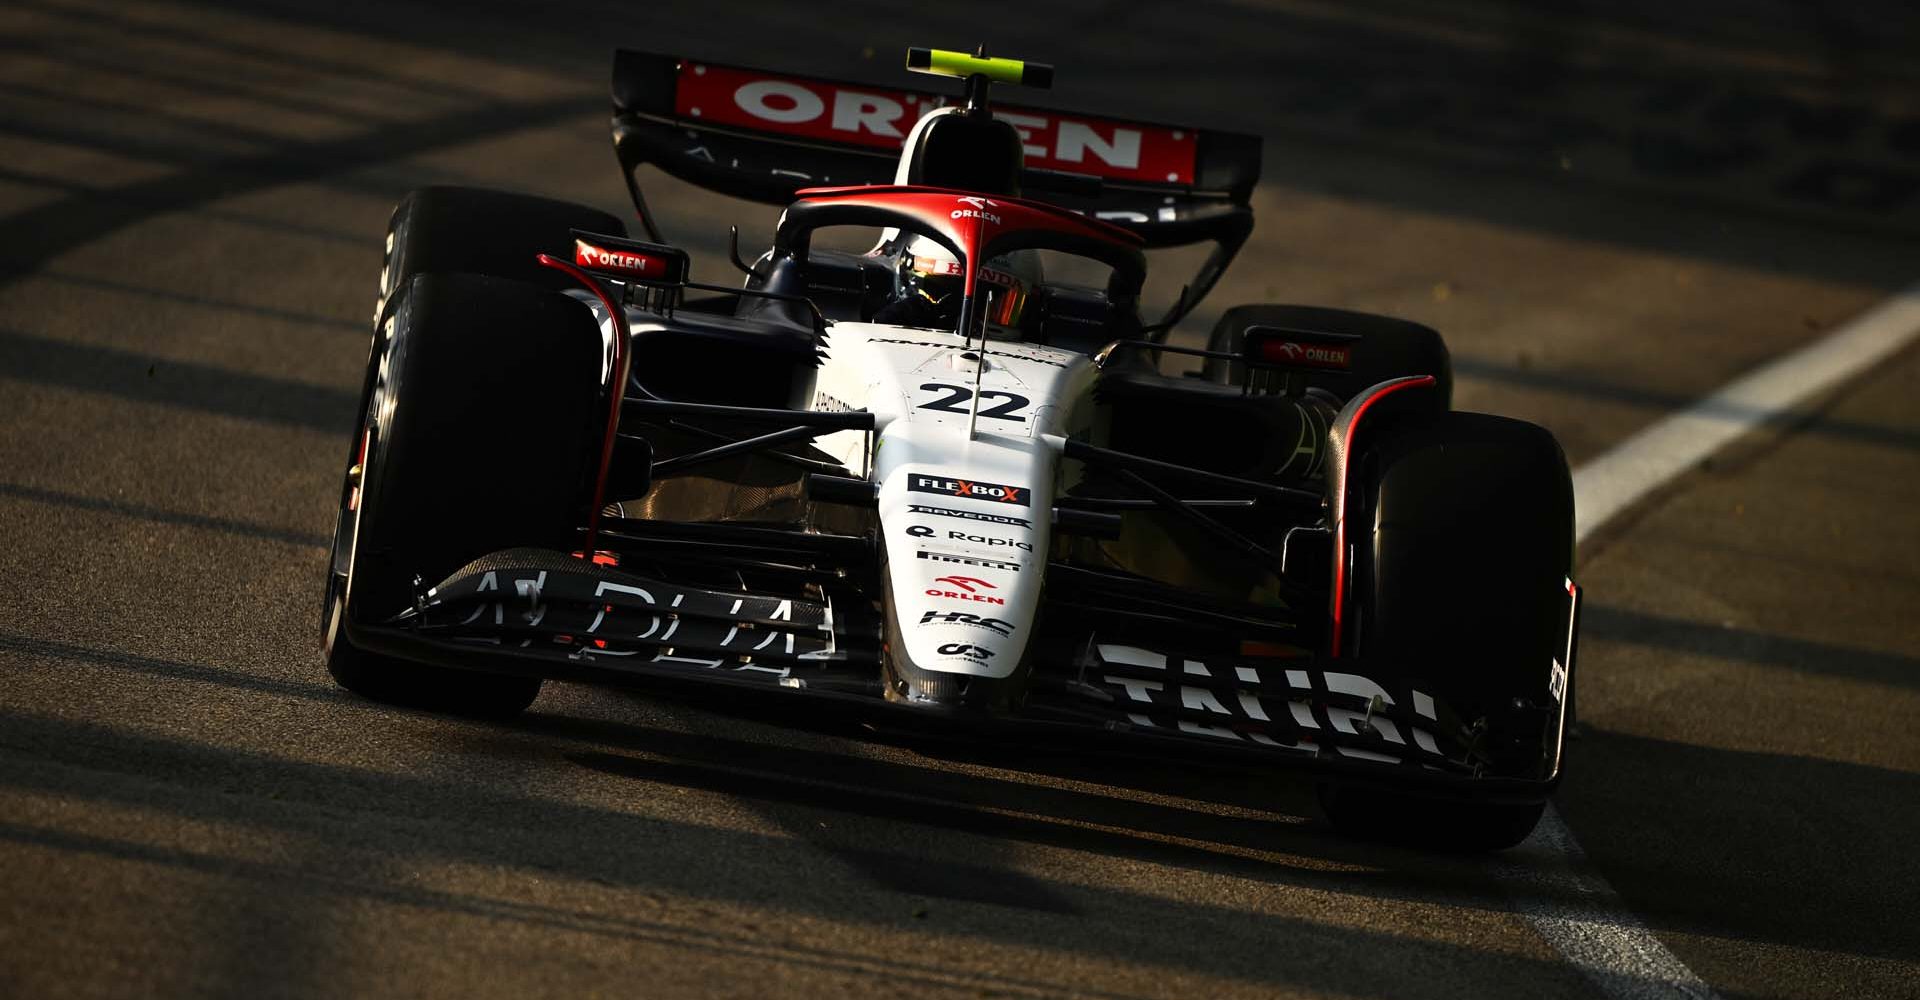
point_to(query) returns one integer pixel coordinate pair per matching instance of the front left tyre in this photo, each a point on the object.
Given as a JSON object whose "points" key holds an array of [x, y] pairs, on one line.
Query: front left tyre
{"points": [[1386, 347], [1461, 558]]}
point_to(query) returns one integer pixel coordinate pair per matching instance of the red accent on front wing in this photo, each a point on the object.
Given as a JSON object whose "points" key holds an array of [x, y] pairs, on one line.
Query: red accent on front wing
{"points": [[621, 339], [1340, 554]]}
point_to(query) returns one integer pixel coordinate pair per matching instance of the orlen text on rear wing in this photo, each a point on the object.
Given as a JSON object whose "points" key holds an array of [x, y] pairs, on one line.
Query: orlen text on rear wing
{"points": [[761, 136]]}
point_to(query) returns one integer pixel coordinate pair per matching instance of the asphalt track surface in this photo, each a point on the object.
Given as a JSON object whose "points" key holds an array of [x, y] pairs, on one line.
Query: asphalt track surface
{"points": [[1610, 213]]}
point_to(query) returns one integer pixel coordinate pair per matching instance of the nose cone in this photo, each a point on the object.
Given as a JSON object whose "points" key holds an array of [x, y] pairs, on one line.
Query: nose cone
{"points": [[966, 544]]}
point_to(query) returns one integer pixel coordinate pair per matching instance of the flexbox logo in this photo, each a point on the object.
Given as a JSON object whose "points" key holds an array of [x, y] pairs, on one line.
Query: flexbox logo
{"points": [[969, 488]]}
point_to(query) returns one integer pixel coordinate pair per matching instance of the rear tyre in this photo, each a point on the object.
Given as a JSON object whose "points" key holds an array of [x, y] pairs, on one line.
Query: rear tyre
{"points": [[1388, 347], [465, 230], [480, 430], [1460, 572]]}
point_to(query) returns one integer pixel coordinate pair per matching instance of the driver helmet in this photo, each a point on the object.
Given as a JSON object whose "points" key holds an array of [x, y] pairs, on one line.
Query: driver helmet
{"points": [[932, 280]]}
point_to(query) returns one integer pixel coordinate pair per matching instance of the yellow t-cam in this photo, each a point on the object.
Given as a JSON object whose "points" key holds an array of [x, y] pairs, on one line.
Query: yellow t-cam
{"points": [[942, 62]]}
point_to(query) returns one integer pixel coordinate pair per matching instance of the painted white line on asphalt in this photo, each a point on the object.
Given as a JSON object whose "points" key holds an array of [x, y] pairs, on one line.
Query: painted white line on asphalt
{"points": [[1652, 458], [1585, 920], [1548, 877]]}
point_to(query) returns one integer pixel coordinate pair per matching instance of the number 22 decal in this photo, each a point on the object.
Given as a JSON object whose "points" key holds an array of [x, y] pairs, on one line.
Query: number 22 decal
{"points": [[1009, 407]]}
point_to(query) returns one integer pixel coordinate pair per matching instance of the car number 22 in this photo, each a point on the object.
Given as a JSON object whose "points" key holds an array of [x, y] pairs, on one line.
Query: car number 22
{"points": [[953, 399]]}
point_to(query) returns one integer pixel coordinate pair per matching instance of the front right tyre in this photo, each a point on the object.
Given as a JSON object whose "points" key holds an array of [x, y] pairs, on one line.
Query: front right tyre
{"points": [[480, 432]]}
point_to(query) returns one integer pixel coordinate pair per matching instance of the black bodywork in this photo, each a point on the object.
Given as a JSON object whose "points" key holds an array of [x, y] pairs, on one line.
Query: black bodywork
{"points": [[745, 561]]}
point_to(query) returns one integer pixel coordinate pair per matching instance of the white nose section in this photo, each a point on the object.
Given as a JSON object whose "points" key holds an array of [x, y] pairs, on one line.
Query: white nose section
{"points": [[966, 538]]}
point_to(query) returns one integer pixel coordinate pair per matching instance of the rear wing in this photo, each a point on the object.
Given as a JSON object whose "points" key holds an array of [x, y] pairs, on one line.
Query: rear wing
{"points": [[762, 136]]}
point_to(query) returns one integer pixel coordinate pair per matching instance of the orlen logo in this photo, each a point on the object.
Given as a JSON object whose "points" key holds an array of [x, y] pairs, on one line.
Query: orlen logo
{"points": [[1333, 357], [587, 255], [967, 592], [882, 117], [1313, 355], [977, 211]]}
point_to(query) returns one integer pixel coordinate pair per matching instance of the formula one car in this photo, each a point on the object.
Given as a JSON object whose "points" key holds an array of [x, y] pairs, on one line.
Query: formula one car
{"points": [[936, 481]]}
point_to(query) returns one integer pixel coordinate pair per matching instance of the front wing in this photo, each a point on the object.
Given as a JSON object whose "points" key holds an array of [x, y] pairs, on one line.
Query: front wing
{"points": [[542, 613]]}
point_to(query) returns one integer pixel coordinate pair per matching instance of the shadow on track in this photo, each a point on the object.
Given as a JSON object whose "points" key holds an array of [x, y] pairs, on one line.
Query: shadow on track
{"points": [[410, 821], [1749, 646], [143, 378], [1753, 846]]}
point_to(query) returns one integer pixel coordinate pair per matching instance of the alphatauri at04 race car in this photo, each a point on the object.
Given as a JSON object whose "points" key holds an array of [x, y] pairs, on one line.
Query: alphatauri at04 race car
{"points": [[927, 483]]}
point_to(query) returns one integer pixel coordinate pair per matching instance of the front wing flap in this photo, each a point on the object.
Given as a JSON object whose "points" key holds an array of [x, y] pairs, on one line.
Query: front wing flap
{"points": [[544, 613]]}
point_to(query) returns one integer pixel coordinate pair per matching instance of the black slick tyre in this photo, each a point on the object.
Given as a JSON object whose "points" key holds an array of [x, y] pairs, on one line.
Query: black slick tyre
{"points": [[481, 432], [445, 229], [1459, 573]]}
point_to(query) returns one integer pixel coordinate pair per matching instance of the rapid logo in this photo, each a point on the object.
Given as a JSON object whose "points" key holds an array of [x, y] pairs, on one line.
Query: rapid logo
{"points": [[989, 540], [969, 651], [969, 515], [994, 625], [970, 489]]}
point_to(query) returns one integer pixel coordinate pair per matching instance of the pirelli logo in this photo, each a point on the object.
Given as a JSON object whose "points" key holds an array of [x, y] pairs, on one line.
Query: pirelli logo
{"points": [[959, 560]]}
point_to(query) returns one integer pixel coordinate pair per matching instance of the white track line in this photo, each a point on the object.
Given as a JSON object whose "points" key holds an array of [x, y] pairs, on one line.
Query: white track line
{"points": [[1569, 904], [1652, 458], [1548, 877]]}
